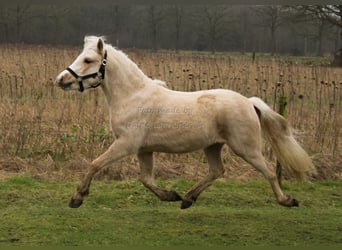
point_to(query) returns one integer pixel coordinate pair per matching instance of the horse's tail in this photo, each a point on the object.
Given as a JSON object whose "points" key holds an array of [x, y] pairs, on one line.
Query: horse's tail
{"points": [[278, 133]]}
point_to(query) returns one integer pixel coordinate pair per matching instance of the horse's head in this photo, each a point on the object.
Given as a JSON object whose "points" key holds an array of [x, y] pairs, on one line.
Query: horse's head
{"points": [[88, 69]]}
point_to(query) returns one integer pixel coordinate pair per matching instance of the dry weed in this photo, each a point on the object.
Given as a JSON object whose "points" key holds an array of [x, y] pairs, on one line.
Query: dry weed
{"points": [[49, 133]]}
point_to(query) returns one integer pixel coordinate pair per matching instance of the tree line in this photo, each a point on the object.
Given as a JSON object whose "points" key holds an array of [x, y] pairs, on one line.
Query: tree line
{"points": [[297, 30]]}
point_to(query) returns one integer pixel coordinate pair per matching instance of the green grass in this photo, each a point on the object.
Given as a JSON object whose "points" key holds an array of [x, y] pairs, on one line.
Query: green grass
{"points": [[35, 213]]}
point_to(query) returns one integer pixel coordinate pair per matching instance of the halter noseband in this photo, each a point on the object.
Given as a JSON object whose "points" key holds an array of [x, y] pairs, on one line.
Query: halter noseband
{"points": [[100, 73]]}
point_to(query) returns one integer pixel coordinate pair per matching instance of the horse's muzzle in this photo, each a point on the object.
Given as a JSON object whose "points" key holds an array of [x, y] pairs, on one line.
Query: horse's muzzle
{"points": [[62, 82], [65, 86]]}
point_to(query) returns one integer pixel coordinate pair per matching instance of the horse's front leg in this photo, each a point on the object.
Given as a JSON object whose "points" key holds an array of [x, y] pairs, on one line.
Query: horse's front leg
{"points": [[116, 151], [147, 178]]}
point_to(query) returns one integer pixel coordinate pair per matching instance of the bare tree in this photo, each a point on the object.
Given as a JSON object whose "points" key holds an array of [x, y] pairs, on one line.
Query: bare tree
{"points": [[16, 19], [321, 25], [177, 13], [116, 23], [155, 16], [199, 27], [215, 24], [328, 13], [245, 28], [4, 17], [56, 14], [309, 27], [22, 15], [271, 18]]}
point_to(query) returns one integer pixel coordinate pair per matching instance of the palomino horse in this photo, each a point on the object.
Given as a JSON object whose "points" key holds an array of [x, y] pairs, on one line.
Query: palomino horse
{"points": [[146, 117]]}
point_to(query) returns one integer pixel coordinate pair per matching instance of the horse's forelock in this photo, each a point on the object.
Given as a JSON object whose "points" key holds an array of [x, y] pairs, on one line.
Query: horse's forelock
{"points": [[91, 41]]}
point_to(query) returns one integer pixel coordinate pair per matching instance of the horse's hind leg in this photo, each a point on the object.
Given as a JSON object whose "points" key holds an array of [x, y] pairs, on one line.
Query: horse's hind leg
{"points": [[258, 163], [216, 169], [147, 178], [249, 148]]}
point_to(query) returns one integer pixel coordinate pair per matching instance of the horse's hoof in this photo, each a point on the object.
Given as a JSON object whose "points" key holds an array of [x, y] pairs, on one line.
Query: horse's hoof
{"points": [[75, 203], [174, 196], [186, 204], [295, 203], [290, 202]]}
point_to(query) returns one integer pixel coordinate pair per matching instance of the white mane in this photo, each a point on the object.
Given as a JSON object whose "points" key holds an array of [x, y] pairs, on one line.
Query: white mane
{"points": [[120, 56]]}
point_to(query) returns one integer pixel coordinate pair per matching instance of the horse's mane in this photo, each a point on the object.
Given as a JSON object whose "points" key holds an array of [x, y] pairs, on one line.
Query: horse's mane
{"points": [[120, 56]]}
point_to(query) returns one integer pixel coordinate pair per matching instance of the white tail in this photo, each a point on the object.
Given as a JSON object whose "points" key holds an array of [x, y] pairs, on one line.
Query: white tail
{"points": [[278, 133]]}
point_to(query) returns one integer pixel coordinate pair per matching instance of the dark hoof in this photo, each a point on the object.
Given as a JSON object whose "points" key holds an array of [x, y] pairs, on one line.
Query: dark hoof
{"points": [[174, 196], [295, 203], [290, 202], [186, 204], [75, 203]]}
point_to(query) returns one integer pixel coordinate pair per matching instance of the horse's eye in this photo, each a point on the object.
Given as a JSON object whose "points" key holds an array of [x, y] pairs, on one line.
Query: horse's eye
{"points": [[87, 61]]}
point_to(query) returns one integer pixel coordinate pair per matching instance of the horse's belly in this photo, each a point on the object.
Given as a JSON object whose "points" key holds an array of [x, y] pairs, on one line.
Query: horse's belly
{"points": [[182, 142]]}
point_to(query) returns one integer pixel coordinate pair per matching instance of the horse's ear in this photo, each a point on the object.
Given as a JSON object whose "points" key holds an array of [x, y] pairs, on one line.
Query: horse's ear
{"points": [[100, 45]]}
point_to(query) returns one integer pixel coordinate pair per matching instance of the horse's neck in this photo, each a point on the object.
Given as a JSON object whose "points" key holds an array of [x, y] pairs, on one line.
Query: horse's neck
{"points": [[123, 77]]}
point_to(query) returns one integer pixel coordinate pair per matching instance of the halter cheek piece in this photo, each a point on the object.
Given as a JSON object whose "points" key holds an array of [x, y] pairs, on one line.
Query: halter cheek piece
{"points": [[100, 74]]}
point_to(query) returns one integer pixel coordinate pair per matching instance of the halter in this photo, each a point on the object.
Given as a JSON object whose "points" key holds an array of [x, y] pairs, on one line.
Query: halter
{"points": [[100, 73]]}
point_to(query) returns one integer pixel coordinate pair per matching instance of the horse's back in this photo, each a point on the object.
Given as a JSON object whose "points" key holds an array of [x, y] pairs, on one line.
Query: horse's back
{"points": [[214, 102]]}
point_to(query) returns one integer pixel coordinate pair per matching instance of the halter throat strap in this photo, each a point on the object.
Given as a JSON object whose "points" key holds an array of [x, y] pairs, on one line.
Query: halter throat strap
{"points": [[100, 74]]}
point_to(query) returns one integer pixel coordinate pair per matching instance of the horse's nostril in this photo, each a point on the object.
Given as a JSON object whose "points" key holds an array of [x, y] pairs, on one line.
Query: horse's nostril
{"points": [[58, 80]]}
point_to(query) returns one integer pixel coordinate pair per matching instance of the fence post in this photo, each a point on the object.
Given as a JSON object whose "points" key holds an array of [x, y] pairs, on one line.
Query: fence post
{"points": [[281, 111]]}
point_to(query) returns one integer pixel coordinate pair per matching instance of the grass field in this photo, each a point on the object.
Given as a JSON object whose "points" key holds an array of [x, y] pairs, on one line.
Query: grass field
{"points": [[35, 213]]}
